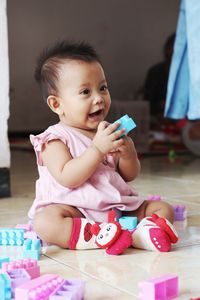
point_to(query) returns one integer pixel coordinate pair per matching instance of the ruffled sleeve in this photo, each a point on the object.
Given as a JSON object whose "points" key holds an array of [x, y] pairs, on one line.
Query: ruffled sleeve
{"points": [[39, 142]]}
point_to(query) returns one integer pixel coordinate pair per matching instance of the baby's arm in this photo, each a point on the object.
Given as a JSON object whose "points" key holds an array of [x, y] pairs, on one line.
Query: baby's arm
{"points": [[72, 172], [129, 164]]}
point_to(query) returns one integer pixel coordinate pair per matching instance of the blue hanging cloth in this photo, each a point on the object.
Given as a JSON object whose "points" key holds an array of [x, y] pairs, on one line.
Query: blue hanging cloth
{"points": [[183, 91]]}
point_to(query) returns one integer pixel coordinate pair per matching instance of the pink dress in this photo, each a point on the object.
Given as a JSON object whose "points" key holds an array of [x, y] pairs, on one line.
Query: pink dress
{"points": [[104, 190]]}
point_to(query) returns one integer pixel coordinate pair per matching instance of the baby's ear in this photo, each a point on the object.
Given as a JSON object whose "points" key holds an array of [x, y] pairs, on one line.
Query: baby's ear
{"points": [[54, 103]]}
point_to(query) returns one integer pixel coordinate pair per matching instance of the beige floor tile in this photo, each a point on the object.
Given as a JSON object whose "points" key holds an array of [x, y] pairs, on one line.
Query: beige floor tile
{"points": [[117, 277], [94, 289]]}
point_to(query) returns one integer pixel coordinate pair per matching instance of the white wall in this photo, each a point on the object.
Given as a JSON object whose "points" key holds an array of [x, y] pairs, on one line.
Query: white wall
{"points": [[128, 34], [4, 88]]}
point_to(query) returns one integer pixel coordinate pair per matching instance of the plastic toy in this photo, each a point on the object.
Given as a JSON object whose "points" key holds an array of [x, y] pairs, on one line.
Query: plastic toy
{"points": [[163, 288], [72, 289], [32, 249], [30, 265], [154, 198], [180, 212], [13, 252], [5, 287], [127, 123], [111, 236], [39, 288], [25, 227], [11, 237], [4, 260], [128, 223], [29, 233], [17, 277], [172, 155]]}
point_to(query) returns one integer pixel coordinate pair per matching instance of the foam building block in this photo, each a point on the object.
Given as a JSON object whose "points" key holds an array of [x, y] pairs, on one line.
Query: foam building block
{"points": [[128, 222], [161, 288], [30, 265], [5, 287], [39, 288], [32, 249], [17, 277], [25, 227], [13, 252], [127, 123], [11, 236], [154, 198], [4, 260], [180, 212], [29, 233], [72, 289]]}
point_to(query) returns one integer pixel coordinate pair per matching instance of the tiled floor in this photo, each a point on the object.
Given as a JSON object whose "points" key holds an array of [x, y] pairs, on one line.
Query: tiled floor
{"points": [[117, 277]]}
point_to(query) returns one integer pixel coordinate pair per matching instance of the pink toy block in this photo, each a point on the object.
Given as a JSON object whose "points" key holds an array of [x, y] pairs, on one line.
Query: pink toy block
{"points": [[28, 231], [30, 265], [30, 235], [17, 277], [72, 289], [180, 212], [39, 288], [154, 198], [26, 227], [161, 288]]}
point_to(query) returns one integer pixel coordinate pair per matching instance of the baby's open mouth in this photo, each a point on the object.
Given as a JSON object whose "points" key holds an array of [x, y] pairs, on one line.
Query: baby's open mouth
{"points": [[96, 113]]}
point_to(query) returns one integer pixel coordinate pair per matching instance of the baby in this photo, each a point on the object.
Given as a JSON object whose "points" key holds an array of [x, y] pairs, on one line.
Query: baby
{"points": [[83, 162]]}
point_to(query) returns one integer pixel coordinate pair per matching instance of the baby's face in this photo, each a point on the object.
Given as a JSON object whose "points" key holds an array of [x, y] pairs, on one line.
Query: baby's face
{"points": [[85, 99]]}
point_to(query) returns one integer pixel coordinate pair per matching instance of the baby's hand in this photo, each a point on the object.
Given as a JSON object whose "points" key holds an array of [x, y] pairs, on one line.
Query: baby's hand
{"points": [[107, 137], [127, 149]]}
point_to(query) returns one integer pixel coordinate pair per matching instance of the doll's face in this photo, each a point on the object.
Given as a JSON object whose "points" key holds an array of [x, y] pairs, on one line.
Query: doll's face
{"points": [[106, 234]]}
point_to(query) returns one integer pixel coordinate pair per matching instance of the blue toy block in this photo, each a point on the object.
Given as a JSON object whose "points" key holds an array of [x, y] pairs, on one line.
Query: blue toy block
{"points": [[5, 287], [127, 123], [11, 237], [32, 249], [72, 289], [4, 259], [128, 223]]}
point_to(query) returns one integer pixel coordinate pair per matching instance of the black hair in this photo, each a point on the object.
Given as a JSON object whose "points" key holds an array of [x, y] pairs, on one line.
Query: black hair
{"points": [[51, 58]]}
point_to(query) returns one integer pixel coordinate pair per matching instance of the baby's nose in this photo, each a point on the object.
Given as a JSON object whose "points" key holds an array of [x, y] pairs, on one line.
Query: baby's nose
{"points": [[98, 99]]}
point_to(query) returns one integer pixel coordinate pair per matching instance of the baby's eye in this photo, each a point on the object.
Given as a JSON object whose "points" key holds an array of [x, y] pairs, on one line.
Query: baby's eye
{"points": [[104, 88], [85, 92]]}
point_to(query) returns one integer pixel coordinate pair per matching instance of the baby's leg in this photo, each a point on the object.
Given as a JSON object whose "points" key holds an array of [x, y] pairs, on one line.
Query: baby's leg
{"points": [[64, 226], [162, 209]]}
